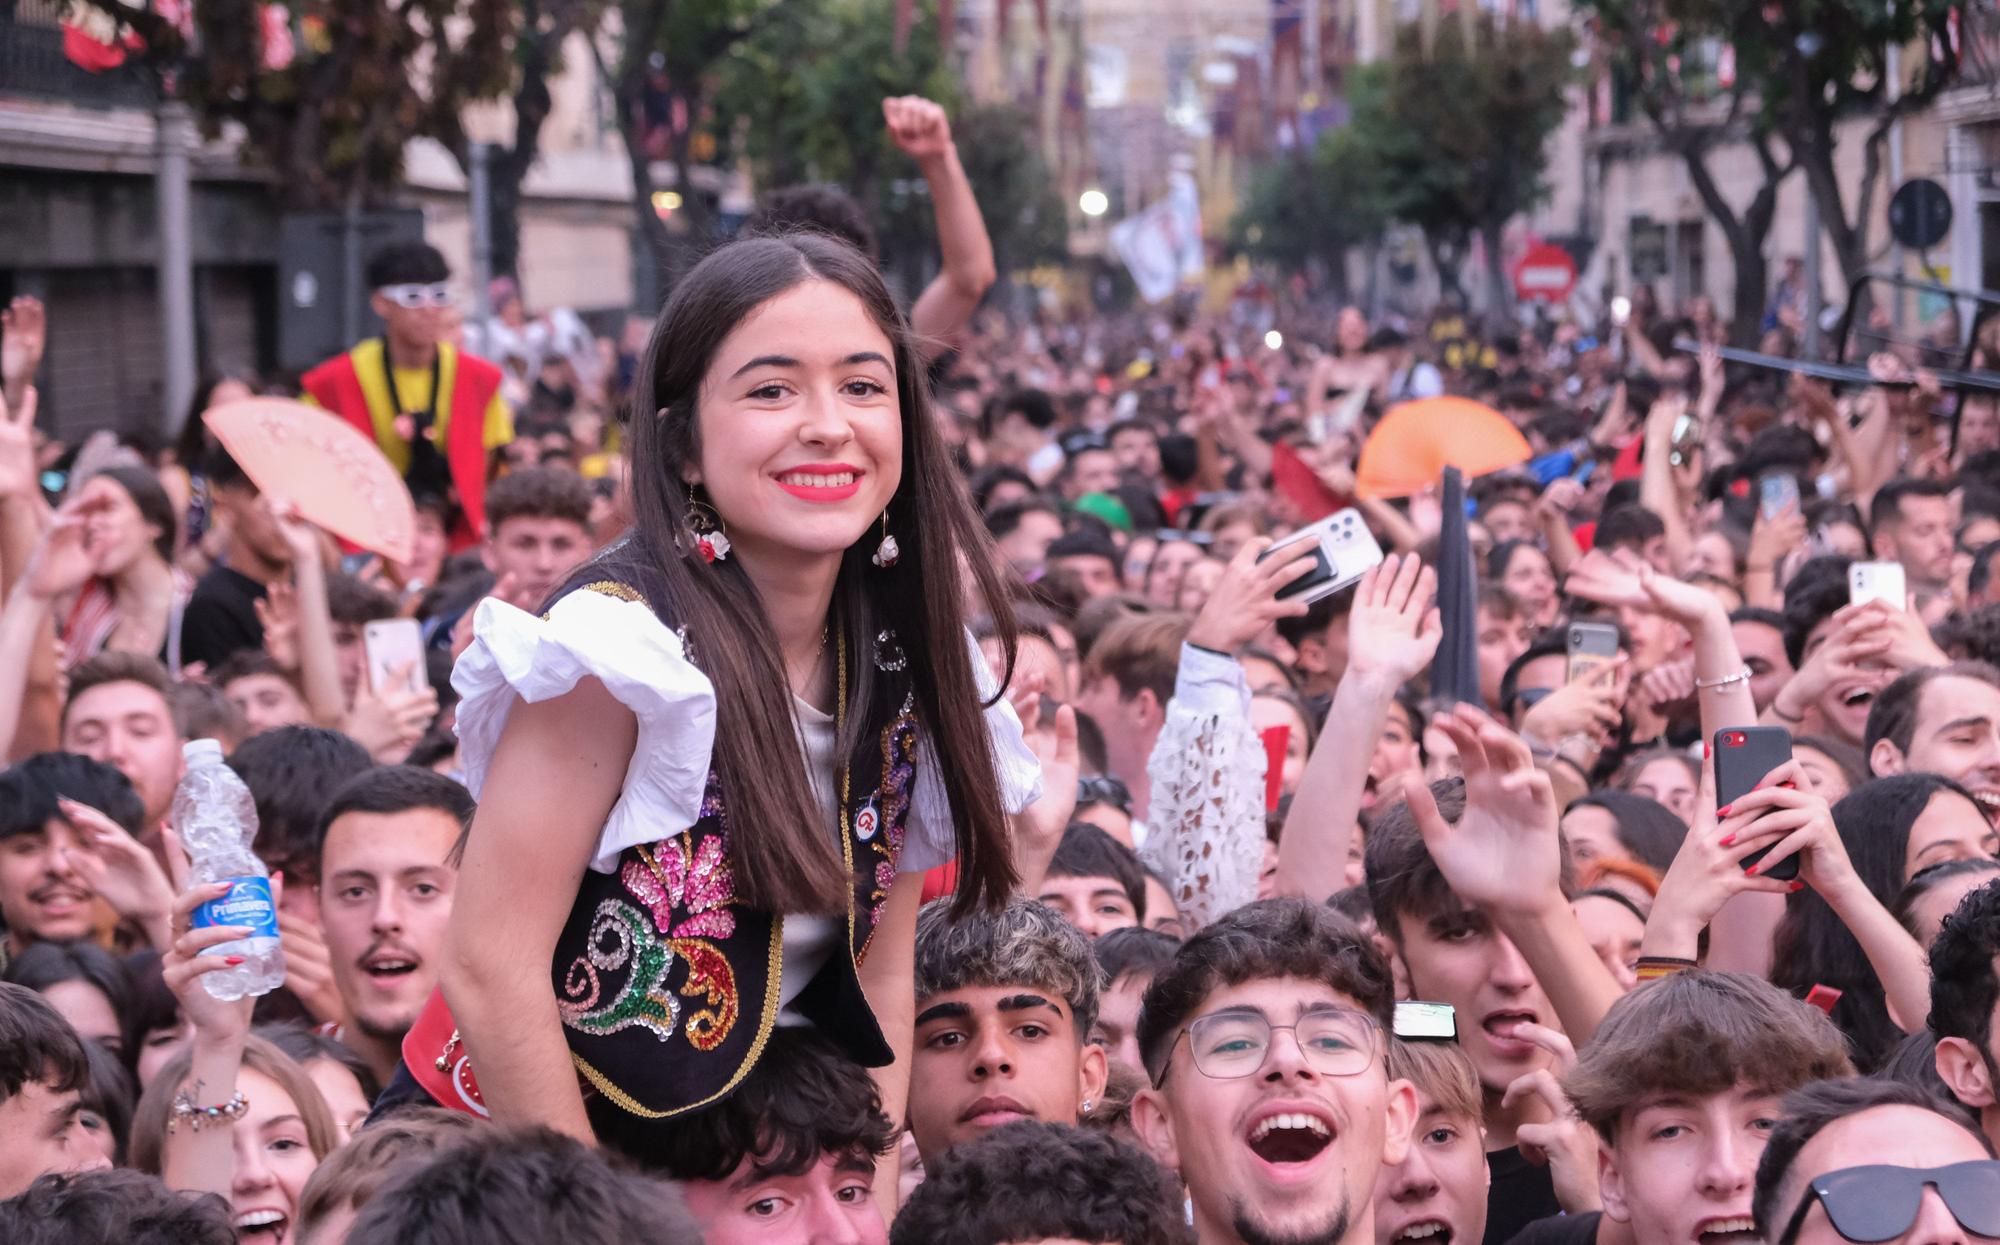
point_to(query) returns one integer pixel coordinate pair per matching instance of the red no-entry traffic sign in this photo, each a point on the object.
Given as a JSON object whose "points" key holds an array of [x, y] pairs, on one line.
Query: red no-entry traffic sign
{"points": [[1544, 273]]}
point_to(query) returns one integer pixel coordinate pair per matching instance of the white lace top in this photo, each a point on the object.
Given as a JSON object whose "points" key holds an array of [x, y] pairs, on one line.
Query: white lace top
{"points": [[1205, 821], [517, 656]]}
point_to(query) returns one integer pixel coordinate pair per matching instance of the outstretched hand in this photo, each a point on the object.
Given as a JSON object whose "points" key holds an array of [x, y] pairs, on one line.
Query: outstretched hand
{"points": [[1394, 629], [1631, 583], [1504, 854], [63, 561], [1039, 827], [24, 334]]}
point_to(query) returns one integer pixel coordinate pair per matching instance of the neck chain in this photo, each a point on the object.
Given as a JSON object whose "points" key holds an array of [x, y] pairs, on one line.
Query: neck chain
{"points": [[426, 420]]}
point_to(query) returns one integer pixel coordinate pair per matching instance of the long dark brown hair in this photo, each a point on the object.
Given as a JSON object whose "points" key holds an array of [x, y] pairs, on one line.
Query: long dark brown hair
{"points": [[783, 856]]}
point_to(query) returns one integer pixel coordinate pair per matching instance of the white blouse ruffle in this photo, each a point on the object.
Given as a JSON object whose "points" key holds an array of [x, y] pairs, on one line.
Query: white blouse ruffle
{"points": [[643, 664]]}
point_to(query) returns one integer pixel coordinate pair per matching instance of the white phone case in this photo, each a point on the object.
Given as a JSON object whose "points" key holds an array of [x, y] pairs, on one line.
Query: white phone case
{"points": [[1877, 581]]}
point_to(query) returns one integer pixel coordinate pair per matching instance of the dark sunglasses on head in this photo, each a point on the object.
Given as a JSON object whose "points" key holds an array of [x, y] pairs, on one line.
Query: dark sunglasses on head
{"points": [[1526, 698], [1103, 789], [1869, 1205]]}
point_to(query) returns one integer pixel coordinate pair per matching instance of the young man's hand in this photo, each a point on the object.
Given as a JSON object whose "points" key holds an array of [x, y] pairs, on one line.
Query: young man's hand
{"points": [[121, 870], [1504, 855], [1394, 629]]}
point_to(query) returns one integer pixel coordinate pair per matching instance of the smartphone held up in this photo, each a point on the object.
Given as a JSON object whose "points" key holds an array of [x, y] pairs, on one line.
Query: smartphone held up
{"points": [[1342, 549]]}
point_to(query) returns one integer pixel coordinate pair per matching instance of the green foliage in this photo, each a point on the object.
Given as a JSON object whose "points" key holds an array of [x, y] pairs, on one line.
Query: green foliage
{"points": [[807, 90], [1457, 133], [1448, 135], [333, 122], [1814, 55], [1802, 67], [803, 95], [1312, 206], [1017, 192]]}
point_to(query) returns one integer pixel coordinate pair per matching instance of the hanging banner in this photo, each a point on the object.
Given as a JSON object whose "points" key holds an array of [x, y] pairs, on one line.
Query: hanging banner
{"points": [[1162, 245]]}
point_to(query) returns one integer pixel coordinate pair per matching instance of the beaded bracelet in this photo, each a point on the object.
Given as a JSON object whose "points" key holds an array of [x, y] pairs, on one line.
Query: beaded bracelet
{"points": [[199, 1118], [1711, 685]]}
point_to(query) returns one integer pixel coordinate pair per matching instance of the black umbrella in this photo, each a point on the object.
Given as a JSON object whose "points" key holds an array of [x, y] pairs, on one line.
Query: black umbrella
{"points": [[1455, 673]]}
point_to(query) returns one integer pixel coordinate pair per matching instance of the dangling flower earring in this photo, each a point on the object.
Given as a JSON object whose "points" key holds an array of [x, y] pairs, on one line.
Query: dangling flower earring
{"points": [[709, 540], [888, 553]]}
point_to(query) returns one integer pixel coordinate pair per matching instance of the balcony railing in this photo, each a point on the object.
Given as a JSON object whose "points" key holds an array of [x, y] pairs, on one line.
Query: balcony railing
{"points": [[1979, 43], [32, 62]]}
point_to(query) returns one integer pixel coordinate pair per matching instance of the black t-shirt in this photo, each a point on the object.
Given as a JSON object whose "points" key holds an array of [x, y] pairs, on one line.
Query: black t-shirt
{"points": [[1561, 1230], [221, 617], [1522, 1192]]}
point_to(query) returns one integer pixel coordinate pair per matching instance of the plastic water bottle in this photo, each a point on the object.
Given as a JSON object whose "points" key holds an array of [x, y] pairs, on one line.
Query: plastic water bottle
{"points": [[217, 820]]}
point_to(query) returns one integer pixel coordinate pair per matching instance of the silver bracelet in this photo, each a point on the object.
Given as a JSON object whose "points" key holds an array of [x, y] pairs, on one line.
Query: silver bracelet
{"points": [[198, 1118], [1711, 685]]}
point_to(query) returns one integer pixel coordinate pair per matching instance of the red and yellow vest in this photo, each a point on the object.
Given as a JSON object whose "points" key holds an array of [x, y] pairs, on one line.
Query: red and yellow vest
{"points": [[355, 386]]}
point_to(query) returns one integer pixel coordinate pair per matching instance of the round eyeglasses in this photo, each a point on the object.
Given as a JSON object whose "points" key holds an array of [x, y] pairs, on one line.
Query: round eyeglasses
{"points": [[1227, 1045]]}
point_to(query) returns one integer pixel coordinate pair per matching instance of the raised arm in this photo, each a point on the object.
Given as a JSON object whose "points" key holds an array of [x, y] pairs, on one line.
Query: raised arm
{"points": [[1721, 678], [1206, 821], [552, 782], [24, 329], [1393, 633], [319, 658], [966, 271], [1504, 857], [198, 1154], [1658, 489], [60, 564]]}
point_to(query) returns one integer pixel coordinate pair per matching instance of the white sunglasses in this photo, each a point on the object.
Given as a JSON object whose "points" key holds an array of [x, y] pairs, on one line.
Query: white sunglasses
{"points": [[413, 297]]}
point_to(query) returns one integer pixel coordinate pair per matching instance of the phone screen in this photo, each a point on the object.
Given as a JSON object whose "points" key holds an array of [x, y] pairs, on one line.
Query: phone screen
{"points": [[394, 648]]}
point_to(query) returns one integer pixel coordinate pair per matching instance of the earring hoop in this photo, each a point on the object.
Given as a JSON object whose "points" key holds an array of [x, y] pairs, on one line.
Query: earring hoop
{"points": [[705, 527], [888, 553]]}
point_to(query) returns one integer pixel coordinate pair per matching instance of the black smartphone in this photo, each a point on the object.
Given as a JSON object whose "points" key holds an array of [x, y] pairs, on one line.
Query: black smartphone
{"points": [[1743, 755]]}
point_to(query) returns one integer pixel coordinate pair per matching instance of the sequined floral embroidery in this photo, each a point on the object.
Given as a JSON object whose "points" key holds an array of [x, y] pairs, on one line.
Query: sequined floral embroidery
{"points": [[687, 875], [899, 768]]}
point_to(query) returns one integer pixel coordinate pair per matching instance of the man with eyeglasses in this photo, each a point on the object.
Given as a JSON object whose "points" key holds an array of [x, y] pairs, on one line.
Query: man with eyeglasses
{"points": [[1265, 1045], [435, 411], [1875, 1162]]}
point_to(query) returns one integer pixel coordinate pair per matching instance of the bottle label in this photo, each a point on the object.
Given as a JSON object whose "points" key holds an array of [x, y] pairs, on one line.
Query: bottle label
{"points": [[247, 904]]}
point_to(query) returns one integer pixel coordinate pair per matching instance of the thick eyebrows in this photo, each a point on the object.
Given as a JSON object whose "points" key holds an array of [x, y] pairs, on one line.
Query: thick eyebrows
{"points": [[943, 1011], [1026, 1002]]}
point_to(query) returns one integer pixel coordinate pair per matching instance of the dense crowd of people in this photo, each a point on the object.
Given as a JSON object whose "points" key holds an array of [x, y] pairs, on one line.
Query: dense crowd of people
{"points": [[868, 783]]}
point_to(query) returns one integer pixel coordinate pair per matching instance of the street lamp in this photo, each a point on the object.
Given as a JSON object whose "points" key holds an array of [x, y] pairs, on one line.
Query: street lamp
{"points": [[1093, 202]]}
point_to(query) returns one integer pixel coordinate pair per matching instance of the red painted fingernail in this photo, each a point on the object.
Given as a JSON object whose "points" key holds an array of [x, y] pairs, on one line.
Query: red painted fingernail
{"points": [[1724, 810], [1704, 749], [1728, 840], [234, 960], [1752, 870], [1796, 887]]}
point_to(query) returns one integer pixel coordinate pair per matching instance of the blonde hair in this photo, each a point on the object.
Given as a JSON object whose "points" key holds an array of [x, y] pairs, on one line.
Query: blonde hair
{"points": [[149, 1122], [1442, 1072]]}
